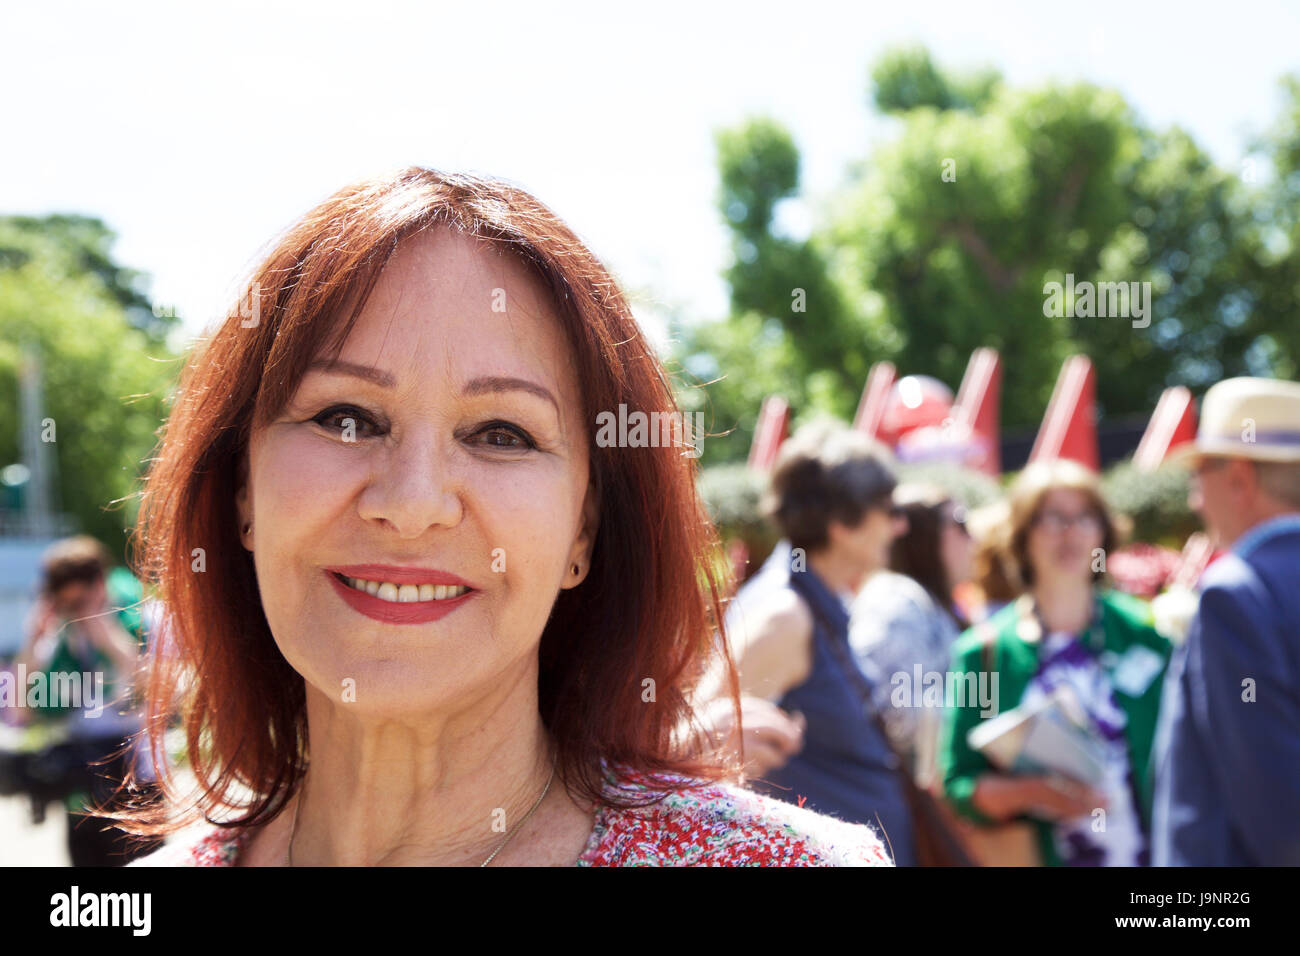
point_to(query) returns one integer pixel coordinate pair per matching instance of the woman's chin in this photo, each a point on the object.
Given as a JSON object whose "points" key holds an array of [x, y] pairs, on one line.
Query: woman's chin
{"points": [[375, 699], [383, 683]]}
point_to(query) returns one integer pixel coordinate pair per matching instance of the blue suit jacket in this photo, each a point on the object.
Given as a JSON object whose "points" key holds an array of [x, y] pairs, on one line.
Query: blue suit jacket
{"points": [[1228, 766]]}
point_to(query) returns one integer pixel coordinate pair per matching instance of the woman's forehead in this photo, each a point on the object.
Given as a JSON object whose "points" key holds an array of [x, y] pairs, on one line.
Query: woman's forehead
{"points": [[1065, 498], [450, 304], [442, 271]]}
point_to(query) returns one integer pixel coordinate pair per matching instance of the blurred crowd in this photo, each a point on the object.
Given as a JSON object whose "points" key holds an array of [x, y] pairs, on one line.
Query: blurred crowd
{"points": [[976, 685], [980, 686]]}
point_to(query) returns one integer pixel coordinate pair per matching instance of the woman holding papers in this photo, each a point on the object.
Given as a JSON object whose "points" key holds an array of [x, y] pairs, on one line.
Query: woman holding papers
{"points": [[1078, 669]]}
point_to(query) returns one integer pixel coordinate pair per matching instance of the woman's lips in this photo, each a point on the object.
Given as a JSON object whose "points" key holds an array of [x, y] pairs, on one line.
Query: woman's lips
{"points": [[393, 612]]}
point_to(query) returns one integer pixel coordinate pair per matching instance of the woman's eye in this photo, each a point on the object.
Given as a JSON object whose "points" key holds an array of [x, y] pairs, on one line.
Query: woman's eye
{"points": [[351, 423], [504, 435]]}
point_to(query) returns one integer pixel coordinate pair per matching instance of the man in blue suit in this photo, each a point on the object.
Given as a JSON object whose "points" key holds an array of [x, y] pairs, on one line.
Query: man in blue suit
{"points": [[1228, 748]]}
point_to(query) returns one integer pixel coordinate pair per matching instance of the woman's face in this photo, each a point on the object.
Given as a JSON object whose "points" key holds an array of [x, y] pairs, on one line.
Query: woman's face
{"points": [[1065, 535], [956, 548], [80, 598], [865, 548], [443, 448]]}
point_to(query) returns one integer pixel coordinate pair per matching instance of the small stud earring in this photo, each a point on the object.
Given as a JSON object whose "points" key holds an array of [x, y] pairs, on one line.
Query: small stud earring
{"points": [[576, 569], [248, 527]]}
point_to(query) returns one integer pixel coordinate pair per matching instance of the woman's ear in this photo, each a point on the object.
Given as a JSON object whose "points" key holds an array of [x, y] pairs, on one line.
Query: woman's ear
{"points": [[585, 543], [244, 506]]}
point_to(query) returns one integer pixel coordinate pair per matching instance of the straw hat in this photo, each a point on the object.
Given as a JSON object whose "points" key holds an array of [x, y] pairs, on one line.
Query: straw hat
{"points": [[1256, 418]]}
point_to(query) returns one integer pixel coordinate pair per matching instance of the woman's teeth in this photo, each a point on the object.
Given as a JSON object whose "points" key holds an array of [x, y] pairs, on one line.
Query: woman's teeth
{"points": [[406, 593]]}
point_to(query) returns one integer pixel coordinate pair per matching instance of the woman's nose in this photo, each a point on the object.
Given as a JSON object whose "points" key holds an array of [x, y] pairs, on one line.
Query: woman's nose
{"points": [[414, 488]]}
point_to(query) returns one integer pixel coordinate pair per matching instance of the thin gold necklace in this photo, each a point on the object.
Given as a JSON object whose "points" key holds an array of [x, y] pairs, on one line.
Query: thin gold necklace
{"points": [[293, 827]]}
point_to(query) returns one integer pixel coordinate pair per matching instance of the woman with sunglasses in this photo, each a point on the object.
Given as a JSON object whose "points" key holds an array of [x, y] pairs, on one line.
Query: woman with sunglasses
{"points": [[830, 496]]}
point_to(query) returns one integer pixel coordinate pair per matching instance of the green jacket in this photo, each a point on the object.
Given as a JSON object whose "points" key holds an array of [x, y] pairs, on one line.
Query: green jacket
{"points": [[1010, 640]]}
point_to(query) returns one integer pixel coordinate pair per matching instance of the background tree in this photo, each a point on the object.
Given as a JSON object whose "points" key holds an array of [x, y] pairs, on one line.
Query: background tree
{"points": [[943, 239], [1273, 268], [105, 362], [906, 78], [790, 331]]}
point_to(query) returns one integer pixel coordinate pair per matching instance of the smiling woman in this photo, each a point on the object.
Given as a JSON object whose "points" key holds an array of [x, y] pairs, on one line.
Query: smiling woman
{"points": [[432, 602]]}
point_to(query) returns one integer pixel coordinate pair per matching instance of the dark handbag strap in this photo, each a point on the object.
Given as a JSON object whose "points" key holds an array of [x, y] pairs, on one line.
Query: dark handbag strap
{"points": [[935, 843], [864, 690], [850, 670]]}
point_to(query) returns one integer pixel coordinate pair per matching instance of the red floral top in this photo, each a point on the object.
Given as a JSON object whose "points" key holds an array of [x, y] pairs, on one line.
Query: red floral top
{"points": [[698, 825]]}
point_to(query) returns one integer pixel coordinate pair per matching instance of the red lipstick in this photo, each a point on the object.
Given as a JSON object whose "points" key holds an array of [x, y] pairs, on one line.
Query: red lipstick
{"points": [[390, 612]]}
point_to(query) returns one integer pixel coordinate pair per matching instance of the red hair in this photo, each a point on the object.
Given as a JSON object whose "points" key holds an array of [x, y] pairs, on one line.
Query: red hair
{"points": [[649, 608]]}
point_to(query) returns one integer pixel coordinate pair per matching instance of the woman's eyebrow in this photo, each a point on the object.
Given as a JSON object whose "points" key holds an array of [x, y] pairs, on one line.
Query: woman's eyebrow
{"points": [[369, 373], [497, 383], [484, 385]]}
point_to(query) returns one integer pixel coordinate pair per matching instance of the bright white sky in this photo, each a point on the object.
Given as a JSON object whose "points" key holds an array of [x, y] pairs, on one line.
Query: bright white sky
{"points": [[199, 135]]}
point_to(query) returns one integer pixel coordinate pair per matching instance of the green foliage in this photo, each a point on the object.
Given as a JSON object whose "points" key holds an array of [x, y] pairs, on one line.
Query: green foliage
{"points": [[1273, 268], [774, 276], [747, 359], [944, 239], [758, 164], [1048, 184], [68, 246], [1155, 501], [732, 495], [106, 370], [906, 79], [790, 332], [972, 488]]}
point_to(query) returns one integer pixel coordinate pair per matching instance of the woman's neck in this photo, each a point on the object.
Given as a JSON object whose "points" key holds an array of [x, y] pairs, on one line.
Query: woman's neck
{"points": [[437, 791], [1066, 604], [836, 574]]}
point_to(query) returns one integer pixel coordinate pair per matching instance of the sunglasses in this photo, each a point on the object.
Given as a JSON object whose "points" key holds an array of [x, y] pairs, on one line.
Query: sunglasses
{"points": [[1207, 465]]}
